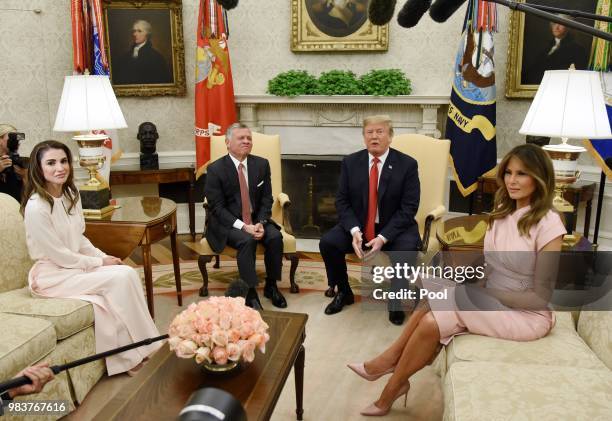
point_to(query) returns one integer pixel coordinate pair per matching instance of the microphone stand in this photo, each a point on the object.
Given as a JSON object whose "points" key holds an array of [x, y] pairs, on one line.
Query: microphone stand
{"points": [[544, 13], [23, 380]]}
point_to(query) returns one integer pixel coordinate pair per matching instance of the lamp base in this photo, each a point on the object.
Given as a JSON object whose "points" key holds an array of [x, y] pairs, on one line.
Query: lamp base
{"points": [[95, 202]]}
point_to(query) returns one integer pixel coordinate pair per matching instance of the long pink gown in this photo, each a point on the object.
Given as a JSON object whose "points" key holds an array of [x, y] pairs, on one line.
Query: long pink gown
{"points": [[69, 266], [511, 269]]}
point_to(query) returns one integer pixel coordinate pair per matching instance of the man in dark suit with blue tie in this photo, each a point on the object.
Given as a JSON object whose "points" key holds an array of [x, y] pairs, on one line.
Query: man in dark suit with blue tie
{"points": [[377, 201], [239, 194]]}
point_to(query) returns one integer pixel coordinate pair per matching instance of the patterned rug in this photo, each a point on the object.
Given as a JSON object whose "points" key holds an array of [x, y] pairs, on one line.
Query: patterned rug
{"points": [[310, 275]]}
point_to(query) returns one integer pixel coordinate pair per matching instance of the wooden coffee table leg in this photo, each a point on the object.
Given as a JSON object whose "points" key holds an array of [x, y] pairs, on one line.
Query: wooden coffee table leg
{"points": [[299, 382], [177, 269], [148, 273]]}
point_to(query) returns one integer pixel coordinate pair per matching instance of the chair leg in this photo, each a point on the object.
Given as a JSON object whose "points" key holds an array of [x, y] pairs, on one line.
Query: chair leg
{"points": [[295, 260], [216, 265], [202, 260]]}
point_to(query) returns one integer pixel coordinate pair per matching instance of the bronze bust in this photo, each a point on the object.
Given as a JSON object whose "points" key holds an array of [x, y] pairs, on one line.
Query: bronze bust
{"points": [[147, 135]]}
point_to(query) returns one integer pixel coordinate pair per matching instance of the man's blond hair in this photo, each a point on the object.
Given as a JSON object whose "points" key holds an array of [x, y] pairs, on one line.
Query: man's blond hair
{"points": [[378, 119]]}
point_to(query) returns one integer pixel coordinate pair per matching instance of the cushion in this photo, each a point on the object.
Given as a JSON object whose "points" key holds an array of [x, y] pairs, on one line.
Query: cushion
{"points": [[493, 391], [595, 328], [562, 346], [16, 261], [203, 248], [25, 340], [67, 315]]}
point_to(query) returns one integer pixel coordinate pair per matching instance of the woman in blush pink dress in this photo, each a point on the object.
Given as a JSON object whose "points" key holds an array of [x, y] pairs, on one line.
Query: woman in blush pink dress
{"points": [[518, 284], [69, 266]]}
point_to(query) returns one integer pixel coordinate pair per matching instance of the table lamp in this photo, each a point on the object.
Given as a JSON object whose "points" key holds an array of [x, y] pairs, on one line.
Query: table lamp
{"points": [[568, 104], [88, 103]]}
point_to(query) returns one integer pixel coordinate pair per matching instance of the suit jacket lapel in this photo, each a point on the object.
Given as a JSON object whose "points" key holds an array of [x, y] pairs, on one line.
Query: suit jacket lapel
{"points": [[232, 176], [364, 177], [386, 175], [252, 170]]}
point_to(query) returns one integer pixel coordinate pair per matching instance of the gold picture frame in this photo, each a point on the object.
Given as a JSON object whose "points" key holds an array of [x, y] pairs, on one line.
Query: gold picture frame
{"points": [[323, 26], [524, 67], [144, 46]]}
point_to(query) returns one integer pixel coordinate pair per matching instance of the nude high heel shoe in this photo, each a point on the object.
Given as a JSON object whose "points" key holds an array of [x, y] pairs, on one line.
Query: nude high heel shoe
{"points": [[374, 411], [359, 369]]}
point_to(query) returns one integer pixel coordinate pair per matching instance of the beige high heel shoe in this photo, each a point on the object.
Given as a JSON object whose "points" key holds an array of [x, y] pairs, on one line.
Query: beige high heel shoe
{"points": [[374, 411], [359, 369]]}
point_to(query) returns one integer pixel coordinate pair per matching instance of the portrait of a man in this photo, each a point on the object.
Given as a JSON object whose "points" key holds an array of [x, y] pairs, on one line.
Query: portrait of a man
{"points": [[337, 18]]}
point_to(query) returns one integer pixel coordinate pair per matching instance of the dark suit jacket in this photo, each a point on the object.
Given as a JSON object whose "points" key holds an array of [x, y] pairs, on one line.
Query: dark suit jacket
{"points": [[222, 191], [148, 68], [398, 193], [569, 52]]}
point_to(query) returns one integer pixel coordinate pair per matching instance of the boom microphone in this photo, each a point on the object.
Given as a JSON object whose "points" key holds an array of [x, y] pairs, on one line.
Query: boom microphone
{"points": [[228, 4], [237, 288], [412, 12], [380, 12], [441, 10]]}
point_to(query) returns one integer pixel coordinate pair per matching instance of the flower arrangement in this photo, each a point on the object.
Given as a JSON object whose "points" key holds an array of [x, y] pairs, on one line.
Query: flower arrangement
{"points": [[219, 330]]}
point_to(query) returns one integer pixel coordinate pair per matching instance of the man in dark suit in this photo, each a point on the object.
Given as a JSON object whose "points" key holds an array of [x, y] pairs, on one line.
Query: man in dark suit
{"points": [[239, 193], [377, 201]]}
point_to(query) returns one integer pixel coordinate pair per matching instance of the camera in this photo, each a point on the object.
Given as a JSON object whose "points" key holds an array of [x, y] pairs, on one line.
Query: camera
{"points": [[12, 144]]}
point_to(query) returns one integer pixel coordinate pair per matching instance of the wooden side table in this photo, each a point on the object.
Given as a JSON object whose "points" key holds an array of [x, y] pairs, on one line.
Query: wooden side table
{"points": [[580, 191], [165, 174], [139, 221]]}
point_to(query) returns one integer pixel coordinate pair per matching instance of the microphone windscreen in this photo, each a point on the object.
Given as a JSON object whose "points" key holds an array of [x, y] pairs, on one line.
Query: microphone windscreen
{"points": [[412, 12], [228, 4], [237, 288], [381, 11], [441, 10]]}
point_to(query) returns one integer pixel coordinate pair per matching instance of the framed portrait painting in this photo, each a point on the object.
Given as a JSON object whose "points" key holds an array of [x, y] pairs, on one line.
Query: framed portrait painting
{"points": [[536, 45], [335, 25], [144, 46]]}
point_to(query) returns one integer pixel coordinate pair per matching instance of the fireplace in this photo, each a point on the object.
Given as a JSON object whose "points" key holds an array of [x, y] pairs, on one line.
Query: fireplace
{"points": [[311, 181]]}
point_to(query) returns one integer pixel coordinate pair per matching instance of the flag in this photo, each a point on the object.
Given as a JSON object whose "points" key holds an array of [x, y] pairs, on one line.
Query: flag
{"points": [[470, 123], [100, 63], [215, 109], [601, 149]]}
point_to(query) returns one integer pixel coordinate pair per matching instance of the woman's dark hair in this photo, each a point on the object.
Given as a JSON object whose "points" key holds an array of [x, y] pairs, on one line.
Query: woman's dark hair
{"points": [[36, 182], [539, 166]]}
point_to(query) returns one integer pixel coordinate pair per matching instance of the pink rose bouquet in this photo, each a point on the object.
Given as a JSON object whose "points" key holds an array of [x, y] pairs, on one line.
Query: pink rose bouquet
{"points": [[218, 330]]}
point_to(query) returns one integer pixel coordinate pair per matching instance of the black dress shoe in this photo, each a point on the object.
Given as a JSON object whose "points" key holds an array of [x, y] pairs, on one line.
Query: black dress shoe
{"points": [[330, 292], [252, 300], [271, 291], [340, 300], [396, 317]]}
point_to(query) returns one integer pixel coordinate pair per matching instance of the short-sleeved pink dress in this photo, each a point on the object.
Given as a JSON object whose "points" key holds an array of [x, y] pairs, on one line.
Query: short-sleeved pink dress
{"points": [[509, 272]]}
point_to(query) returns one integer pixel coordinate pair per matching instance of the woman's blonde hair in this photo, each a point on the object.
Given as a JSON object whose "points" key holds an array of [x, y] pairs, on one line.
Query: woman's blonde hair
{"points": [[538, 165], [6, 128], [36, 182]]}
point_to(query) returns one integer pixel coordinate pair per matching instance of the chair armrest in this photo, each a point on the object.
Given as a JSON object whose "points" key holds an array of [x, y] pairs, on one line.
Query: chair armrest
{"points": [[283, 199], [432, 216], [285, 202]]}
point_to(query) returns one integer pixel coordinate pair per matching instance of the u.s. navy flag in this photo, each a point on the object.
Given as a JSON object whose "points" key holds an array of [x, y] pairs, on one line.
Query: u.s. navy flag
{"points": [[470, 123], [601, 149], [215, 109]]}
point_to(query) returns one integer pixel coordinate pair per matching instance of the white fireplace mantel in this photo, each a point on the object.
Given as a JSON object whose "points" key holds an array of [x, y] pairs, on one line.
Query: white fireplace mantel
{"points": [[319, 125]]}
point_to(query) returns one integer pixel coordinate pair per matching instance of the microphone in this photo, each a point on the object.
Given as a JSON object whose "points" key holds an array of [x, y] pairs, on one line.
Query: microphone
{"points": [[412, 12], [228, 4], [380, 12], [212, 404], [237, 288], [441, 10]]}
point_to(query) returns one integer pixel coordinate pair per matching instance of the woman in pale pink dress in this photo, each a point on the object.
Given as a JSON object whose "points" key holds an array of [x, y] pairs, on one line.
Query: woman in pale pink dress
{"points": [[69, 266], [523, 222]]}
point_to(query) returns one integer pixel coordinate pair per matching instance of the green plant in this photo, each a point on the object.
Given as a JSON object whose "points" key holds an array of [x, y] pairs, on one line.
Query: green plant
{"points": [[292, 83], [386, 82], [338, 82]]}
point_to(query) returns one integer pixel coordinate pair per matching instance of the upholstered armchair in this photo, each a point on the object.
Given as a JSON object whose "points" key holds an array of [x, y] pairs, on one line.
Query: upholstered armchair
{"points": [[433, 158], [265, 146]]}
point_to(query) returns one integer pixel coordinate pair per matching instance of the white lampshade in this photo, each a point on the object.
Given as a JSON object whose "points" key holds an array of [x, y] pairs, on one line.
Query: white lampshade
{"points": [[568, 104], [88, 103]]}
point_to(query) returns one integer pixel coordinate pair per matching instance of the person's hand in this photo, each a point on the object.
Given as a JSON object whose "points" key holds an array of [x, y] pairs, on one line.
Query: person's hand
{"points": [[357, 241], [259, 231], [5, 162], [39, 373], [249, 229], [111, 260], [375, 245]]}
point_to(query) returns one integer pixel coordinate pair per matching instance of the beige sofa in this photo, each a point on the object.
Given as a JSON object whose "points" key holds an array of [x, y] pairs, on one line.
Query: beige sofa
{"points": [[40, 329], [566, 375]]}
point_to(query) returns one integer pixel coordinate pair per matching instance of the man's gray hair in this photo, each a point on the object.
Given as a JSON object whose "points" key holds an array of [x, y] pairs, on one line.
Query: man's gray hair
{"points": [[235, 126], [146, 26]]}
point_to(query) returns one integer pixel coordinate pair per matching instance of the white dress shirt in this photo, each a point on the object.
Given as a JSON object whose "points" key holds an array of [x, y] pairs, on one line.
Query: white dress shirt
{"points": [[136, 49]]}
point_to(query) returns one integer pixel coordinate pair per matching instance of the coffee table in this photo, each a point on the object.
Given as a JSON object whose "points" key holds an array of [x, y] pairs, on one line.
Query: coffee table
{"points": [[138, 221], [162, 387]]}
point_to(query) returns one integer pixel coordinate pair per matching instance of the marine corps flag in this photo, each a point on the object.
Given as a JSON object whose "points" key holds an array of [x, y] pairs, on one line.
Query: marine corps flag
{"points": [[470, 123], [214, 93]]}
